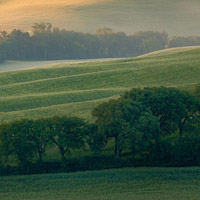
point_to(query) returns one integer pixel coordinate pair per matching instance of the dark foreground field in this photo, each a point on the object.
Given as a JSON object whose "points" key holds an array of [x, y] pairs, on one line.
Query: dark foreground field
{"points": [[118, 184]]}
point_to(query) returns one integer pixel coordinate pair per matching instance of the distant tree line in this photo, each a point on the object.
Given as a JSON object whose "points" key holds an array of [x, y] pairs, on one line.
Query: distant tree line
{"points": [[178, 41], [145, 127], [46, 42], [49, 43]]}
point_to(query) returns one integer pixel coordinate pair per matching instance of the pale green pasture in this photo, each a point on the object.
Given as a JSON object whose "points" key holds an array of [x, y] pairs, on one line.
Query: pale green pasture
{"points": [[9, 104], [81, 109], [75, 89]]}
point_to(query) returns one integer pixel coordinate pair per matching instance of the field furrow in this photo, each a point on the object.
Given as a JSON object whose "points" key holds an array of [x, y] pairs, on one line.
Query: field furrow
{"points": [[75, 89]]}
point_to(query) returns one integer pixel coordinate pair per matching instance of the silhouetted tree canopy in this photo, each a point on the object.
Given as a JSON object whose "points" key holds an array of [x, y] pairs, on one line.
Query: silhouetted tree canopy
{"points": [[67, 134], [173, 108], [128, 122], [46, 42], [150, 126]]}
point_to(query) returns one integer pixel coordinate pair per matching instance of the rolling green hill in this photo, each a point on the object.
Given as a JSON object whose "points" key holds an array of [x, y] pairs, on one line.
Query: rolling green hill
{"points": [[75, 89], [116, 184]]}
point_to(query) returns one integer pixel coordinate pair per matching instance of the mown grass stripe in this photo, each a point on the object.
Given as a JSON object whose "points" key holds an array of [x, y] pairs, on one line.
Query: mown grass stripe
{"points": [[49, 91]]}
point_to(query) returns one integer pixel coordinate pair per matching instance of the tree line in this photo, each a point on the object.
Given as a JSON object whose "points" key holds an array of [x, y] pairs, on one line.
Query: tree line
{"points": [[46, 42], [150, 126]]}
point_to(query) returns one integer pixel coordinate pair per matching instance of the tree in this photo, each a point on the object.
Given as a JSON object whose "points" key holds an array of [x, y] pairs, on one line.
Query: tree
{"points": [[95, 139], [3, 39], [42, 27], [18, 45], [15, 140], [104, 31], [67, 134], [197, 91], [5, 143], [149, 45], [39, 135], [173, 108], [161, 37], [126, 121], [178, 41], [2, 51]]}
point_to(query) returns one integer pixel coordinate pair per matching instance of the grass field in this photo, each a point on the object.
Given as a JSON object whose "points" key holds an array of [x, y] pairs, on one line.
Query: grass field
{"points": [[117, 184], [15, 65], [75, 89], [180, 17]]}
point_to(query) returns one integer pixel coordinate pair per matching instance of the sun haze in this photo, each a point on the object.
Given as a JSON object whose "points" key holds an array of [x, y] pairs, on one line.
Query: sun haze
{"points": [[179, 17], [16, 3], [23, 13]]}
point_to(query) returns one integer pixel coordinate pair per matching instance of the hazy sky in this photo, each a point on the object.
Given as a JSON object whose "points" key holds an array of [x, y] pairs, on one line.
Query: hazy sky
{"points": [[178, 17], [20, 3]]}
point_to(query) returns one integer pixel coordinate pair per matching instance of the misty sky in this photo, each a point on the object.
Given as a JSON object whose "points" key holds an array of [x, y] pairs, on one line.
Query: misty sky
{"points": [[177, 17]]}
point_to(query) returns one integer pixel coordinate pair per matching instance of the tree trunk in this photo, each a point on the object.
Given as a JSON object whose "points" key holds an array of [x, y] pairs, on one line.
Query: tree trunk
{"points": [[45, 54], [181, 131], [181, 126], [117, 149], [40, 154], [62, 152]]}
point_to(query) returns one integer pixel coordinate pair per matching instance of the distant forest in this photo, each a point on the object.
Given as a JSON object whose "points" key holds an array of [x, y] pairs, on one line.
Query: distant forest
{"points": [[46, 42]]}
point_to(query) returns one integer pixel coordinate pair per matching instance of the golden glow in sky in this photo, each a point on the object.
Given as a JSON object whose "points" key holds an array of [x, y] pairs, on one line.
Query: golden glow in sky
{"points": [[23, 13], [177, 17], [10, 4]]}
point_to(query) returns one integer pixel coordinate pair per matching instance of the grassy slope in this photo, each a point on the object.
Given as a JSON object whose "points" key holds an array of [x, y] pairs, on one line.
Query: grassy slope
{"points": [[74, 89], [118, 184]]}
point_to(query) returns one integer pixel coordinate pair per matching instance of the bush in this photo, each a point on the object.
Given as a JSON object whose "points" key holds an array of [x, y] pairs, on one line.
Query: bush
{"points": [[186, 150]]}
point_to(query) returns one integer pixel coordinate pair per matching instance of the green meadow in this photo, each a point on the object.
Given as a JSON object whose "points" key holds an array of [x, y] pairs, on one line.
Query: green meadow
{"points": [[75, 89], [116, 184]]}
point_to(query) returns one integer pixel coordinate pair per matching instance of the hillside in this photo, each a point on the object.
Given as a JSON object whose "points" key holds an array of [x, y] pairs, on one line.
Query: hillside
{"points": [[180, 17], [74, 89], [116, 184]]}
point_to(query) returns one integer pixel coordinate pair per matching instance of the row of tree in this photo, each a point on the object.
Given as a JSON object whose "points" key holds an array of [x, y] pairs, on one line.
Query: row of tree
{"points": [[178, 41], [49, 43], [26, 139], [153, 125], [147, 115]]}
